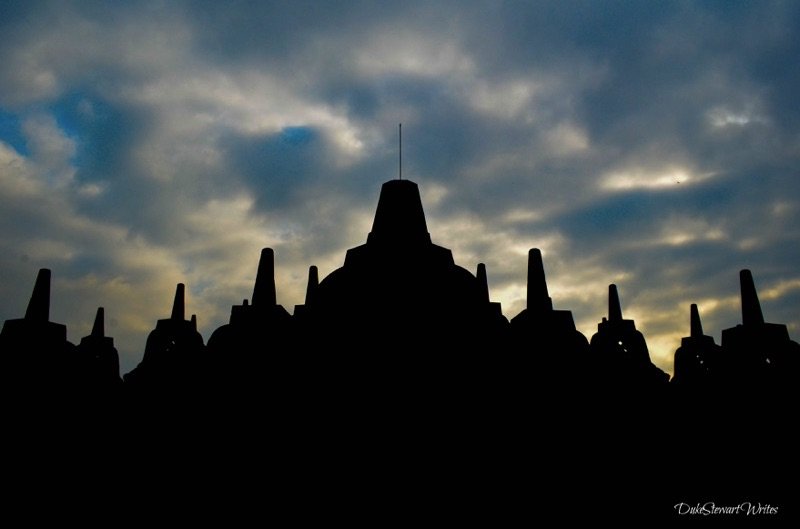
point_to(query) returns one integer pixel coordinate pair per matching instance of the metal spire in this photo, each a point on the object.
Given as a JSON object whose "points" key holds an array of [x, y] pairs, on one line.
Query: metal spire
{"points": [[400, 156]]}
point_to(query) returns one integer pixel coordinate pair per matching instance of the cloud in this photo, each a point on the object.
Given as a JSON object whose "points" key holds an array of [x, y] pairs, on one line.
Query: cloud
{"points": [[654, 146]]}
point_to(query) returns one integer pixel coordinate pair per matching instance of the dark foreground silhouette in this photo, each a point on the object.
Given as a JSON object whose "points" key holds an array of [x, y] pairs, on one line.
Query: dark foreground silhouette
{"points": [[399, 385]]}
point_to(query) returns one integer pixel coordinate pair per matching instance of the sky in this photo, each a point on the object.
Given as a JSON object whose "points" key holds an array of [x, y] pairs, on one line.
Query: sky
{"points": [[655, 145]]}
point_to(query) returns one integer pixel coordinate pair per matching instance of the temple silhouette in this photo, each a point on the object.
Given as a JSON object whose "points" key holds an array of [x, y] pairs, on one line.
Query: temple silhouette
{"points": [[401, 340], [398, 299]]}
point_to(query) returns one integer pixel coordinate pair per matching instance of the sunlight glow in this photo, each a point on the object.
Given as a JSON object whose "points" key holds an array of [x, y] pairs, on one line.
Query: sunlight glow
{"points": [[679, 231], [516, 216], [410, 53], [506, 100], [567, 139], [722, 117], [642, 179], [780, 289], [91, 190], [783, 208]]}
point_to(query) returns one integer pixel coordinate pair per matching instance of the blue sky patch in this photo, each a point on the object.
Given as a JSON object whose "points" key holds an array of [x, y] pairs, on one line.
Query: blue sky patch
{"points": [[94, 124], [297, 135], [11, 132]]}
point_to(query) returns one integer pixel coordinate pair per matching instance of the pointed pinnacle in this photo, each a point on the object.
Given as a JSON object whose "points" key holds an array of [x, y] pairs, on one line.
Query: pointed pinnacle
{"points": [[483, 283], [264, 291], [99, 327], [695, 326], [313, 283], [39, 305], [178, 306], [751, 308], [614, 307], [538, 298]]}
